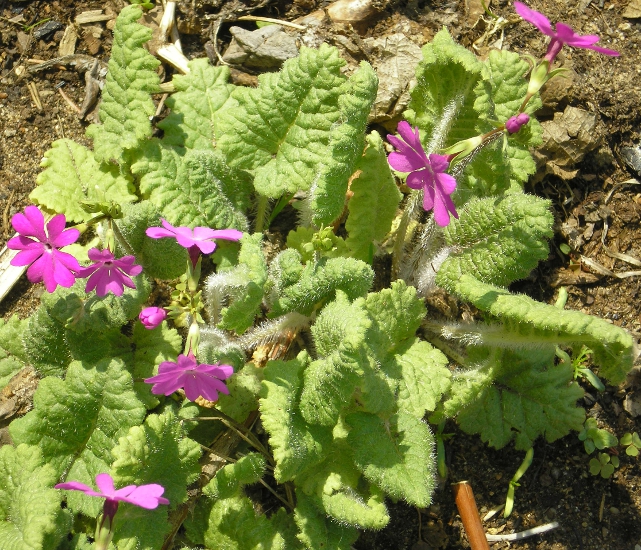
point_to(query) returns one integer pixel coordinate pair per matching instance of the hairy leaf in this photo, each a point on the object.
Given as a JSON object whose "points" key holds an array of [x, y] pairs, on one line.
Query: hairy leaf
{"points": [[425, 377], [317, 531], [349, 507], [195, 105], [374, 202], [12, 353], [192, 188], [534, 324], [229, 480], [30, 512], [76, 422], [319, 282], [526, 401], [498, 240], [295, 444], [346, 141], [72, 174], [126, 97], [301, 103], [45, 344], [396, 455], [442, 103]]}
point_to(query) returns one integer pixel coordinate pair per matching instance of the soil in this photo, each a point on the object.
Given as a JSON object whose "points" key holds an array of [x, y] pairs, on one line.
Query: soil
{"points": [[596, 199]]}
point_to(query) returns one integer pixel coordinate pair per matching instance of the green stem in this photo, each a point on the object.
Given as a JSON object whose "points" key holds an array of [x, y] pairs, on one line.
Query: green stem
{"points": [[121, 238], [262, 205]]}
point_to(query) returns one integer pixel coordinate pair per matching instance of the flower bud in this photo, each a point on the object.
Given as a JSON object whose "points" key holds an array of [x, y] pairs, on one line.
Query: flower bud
{"points": [[513, 124], [151, 317]]}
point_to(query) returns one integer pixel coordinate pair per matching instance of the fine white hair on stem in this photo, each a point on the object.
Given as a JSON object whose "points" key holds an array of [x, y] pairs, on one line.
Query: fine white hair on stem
{"points": [[440, 131], [222, 286], [269, 332]]}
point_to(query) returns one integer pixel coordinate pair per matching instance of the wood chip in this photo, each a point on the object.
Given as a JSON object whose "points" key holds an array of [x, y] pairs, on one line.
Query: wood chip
{"points": [[92, 16], [67, 45]]}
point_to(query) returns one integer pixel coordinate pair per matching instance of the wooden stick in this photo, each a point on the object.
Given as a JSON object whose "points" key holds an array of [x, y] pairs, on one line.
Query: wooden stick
{"points": [[470, 515]]}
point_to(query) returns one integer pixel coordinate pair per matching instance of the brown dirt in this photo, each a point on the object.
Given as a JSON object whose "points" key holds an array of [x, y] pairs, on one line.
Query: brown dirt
{"points": [[593, 513]]}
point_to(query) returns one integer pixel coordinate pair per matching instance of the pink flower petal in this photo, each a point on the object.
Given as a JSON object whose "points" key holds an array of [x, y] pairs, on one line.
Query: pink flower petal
{"points": [[67, 237], [536, 18], [30, 224], [27, 256], [55, 226], [74, 486], [227, 234], [105, 483]]}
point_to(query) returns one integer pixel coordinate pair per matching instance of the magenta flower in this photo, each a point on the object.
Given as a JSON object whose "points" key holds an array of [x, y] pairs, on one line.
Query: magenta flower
{"points": [[427, 173], [197, 240], [563, 34], [145, 496], [107, 274], [39, 248], [198, 380], [151, 317], [514, 123]]}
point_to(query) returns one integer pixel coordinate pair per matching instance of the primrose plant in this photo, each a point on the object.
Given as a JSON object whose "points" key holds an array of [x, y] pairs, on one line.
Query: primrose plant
{"points": [[306, 359]]}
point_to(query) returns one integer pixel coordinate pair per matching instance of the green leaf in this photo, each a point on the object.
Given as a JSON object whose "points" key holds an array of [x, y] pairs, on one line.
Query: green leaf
{"points": [[396, 313], [425, 378], [12, 353], [535, 324], [397, 455], [351, 508], [317, 531], [45, 344], [528, 399], [246, 291], [126, 105], [234, 525], [230, 479], [346, 141], [192, 188], [72, 175], [498, 240], [29, 507], [301, 104], [374, 202], [318, 284], [442, 103], [76, 422], [195, 105], [157, 452], [296, 445], [80, 312]]}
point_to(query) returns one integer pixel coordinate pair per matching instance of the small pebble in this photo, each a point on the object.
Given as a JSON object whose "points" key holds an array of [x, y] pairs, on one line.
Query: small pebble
{"points": [[10, 132], [614, 511]]}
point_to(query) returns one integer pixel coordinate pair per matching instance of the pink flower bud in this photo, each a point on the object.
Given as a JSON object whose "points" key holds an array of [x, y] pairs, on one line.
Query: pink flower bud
{"points": [[151, 317], [513, 124]]}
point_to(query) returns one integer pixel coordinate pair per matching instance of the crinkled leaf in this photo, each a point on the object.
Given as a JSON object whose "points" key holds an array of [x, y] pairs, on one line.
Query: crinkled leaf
{"points": [[374, 202], [536, 324], [192, 188], [71, 175], [12, 352], [526, 401], [396, 313], [442, 103], [77, 421], [45, 345], [498, 240], [126, 105], [318, 284], [396, 455], [195, 104], [229, 480], [235, 525], [29, 507], [425, 377], [246, 301], [301, 104], [294, 443], [346, 142], [244, 388], [317, 531], [349, 507], [157, 452]]}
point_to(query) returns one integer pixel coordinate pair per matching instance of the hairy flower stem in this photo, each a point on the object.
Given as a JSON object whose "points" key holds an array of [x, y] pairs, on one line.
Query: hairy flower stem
{"points": [[121, 238], [409, 213], [262, 206]]}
